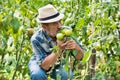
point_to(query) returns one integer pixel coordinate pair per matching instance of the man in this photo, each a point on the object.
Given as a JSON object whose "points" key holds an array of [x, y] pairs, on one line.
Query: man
{"points": [[42, 41]]}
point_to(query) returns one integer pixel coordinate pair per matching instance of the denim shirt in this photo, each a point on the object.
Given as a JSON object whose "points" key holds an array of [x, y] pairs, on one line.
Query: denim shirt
{"points": [[42, 44]]}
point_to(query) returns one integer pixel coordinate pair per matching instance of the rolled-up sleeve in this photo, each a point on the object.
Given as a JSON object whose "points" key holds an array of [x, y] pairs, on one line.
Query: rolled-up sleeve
{"points": [[38, 51]]}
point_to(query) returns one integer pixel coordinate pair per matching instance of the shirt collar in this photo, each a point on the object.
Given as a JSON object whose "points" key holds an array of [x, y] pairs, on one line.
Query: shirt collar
{"points": [[46, 36]]}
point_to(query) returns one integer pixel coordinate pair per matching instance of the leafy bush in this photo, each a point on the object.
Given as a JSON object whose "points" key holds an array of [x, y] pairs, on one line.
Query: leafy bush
{"points": [[95, 24]]}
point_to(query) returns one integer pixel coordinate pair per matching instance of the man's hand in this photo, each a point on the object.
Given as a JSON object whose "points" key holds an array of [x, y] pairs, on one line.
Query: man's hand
{"points": [[61, 45], [70, 44]]}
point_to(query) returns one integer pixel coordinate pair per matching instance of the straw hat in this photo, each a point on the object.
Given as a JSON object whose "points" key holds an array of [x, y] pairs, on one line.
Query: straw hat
{"points": [[48, 14]]}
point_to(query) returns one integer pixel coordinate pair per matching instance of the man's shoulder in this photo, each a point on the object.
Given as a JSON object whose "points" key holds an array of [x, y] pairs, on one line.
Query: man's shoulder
{"points": [[37, 35], [40, 39]]}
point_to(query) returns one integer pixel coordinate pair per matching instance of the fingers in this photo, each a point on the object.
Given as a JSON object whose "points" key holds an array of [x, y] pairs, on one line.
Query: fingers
{"points": [[71, 44], [61, 44]]}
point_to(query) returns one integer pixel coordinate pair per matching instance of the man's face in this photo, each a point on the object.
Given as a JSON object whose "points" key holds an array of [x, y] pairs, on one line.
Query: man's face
{"points": [[53, 28]]}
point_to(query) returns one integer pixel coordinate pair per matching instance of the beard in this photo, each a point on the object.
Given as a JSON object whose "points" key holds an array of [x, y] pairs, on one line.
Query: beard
{"points": [[53, 36]]}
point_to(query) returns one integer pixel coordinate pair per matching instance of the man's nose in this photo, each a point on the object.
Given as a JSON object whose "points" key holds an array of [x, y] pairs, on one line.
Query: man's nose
{"points": [[59, 25]]}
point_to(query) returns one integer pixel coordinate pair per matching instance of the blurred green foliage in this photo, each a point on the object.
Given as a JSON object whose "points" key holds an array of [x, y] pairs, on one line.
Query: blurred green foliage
{"points": [[95, 23]]}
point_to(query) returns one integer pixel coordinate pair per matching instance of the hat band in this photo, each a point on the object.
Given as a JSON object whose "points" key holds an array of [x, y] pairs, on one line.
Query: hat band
{"points": [[50, 17]]}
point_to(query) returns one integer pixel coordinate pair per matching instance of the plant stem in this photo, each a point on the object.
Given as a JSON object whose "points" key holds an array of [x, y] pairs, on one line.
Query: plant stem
{"points": [[18, 59]]}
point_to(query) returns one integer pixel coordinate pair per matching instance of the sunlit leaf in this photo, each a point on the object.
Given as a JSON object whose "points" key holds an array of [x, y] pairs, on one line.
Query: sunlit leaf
{"points": [[96, 22], [80, 23], [86, 57]]}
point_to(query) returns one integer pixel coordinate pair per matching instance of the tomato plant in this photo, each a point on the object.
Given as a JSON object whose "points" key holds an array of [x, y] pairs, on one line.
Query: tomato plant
{"points": [[94, 23]]}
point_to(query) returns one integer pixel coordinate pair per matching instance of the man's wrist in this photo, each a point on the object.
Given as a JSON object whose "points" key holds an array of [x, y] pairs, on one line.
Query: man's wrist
{"points": [[77, 48]]}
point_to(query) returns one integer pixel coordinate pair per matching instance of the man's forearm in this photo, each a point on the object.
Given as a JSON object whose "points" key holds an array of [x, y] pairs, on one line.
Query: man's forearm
{"points": [[79, 54], [49, 61]]}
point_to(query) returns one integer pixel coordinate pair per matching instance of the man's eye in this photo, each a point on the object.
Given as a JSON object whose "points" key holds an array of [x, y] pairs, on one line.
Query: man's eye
{"points": [[55, 22]]}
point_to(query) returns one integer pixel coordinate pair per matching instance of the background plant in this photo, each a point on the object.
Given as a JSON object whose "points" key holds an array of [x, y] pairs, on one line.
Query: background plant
{"points": [[95, 24]]}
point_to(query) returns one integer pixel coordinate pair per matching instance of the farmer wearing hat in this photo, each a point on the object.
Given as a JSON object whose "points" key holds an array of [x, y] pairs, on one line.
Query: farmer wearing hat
{"points": [[44, 58]]}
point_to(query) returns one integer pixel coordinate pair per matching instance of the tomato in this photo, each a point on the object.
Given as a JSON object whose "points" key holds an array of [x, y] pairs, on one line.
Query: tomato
{"points": [[60, 36], [30, 31], [68, 32], [63, 31]]}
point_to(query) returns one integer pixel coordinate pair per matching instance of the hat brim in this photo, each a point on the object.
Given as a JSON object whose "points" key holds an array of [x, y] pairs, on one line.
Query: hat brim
{"points": [[50, 20]]}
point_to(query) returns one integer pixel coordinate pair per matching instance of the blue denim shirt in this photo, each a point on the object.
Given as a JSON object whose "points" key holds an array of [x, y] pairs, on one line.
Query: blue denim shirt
{"points": [[42, 44]]}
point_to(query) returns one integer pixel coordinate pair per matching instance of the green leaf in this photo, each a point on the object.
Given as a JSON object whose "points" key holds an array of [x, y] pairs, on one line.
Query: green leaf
{"points": [[55, 49], [1, 16], [86, 57], [74, 52], [96, 22], [117, 51], [15, 25], [80, 23]]}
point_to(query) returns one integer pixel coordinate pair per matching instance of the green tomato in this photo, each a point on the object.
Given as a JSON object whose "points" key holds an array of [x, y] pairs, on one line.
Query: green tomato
{"points": [[63, 31], [68, 32], [60, 36]]}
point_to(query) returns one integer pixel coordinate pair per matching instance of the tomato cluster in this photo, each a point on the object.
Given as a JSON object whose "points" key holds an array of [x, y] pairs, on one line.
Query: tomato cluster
{"points": [[64, 33]]}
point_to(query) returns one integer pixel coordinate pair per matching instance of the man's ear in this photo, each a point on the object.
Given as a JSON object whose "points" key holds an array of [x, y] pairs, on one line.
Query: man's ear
{"points": [[44, 26]]}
